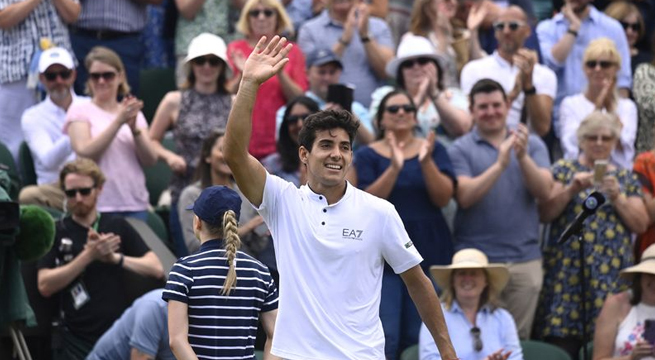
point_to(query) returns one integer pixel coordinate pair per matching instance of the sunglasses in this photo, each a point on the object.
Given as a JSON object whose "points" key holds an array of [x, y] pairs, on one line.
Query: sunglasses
{"points": [[108, 75], [71, 193], [255, 13], [513, 25], [602, 138], [212, 60], [412, 62], [604, 64], [52, 75], [477, 340], [407, 108], [634, 26], [295, 118]]}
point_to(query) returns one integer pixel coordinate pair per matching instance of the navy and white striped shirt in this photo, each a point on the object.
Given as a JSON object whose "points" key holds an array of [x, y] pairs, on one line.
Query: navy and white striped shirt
{"points": [[221, 327]]}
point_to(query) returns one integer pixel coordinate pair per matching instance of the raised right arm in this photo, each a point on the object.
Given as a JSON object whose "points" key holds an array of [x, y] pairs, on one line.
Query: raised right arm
{"points": [[262, 64], [13, 14]]}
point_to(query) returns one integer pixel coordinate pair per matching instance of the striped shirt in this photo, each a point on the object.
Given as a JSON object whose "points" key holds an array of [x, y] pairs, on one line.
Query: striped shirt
{"points": [[19, 43], [115, 15], [221, 327]]}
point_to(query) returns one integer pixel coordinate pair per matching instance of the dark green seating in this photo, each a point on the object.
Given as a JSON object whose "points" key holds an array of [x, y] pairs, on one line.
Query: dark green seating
{"points": [[538, 350], [27, 172], [154, 84], [8, 164], [158, 176], [411, 353]]}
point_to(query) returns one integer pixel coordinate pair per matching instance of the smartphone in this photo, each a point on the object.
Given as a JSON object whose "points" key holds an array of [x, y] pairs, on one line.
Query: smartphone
{"points": [[649, 331], [600, 168], [341, 95]]}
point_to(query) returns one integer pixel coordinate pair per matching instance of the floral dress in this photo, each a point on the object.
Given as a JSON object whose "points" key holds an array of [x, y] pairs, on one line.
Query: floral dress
{"points": [[607, 250]]}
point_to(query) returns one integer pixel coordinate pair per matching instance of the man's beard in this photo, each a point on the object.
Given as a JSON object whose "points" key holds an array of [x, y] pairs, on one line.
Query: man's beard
{"points": [[59, 94], [81, 209]]}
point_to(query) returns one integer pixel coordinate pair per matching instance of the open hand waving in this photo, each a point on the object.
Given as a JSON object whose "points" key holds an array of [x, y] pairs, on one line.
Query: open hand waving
{"points": [[266, 61]]}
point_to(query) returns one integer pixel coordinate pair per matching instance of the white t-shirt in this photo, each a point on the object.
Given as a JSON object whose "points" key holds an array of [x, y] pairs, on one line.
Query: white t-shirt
{"points": [[498, 69], [331, 260]]}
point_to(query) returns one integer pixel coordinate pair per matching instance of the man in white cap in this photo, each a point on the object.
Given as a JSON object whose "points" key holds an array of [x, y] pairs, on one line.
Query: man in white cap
{"points": [[42, 124]]}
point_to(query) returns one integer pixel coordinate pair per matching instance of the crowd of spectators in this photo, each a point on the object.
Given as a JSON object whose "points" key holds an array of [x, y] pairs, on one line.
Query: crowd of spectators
{"points": [[486, 123]]}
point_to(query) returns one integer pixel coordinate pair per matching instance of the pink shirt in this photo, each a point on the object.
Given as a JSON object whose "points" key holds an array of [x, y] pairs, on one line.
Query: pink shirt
{"points": [[125, 185], [269, 98]]}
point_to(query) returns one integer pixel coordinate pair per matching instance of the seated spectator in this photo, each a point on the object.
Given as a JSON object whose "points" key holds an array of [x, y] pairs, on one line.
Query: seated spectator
{"points": [[42, 126], [285, 163], [531, 87], [85, 263], [364, 44], [192, 113], [213, 311], [607, 244], [478, 327], [455, 47], [416, 176], [266, 18], [417, 70], [114, 134], [324, 69], [212, 170], [601, 66], [630, 18], [644, 95], [621, 322], [141, 333]]}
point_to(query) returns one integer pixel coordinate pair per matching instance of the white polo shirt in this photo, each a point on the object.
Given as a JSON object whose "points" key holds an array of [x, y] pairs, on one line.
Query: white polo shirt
{"points": [[331, 259], [498, 69]]}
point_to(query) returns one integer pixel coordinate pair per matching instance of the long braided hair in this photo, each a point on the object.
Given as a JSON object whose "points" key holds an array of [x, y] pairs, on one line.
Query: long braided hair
{"points": [[232, 244]]}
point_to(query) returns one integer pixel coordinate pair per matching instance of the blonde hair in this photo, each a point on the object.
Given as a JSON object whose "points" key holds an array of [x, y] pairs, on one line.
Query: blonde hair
{"points": [[422, 17], [232, 244], [107, 56], [283, 21], [82, 166], [489, 295], [620, 9], [599, 120], [597, 48]]}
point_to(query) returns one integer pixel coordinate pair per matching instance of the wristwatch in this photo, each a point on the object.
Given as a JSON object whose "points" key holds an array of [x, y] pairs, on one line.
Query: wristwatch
{"points": [[530, 91]]}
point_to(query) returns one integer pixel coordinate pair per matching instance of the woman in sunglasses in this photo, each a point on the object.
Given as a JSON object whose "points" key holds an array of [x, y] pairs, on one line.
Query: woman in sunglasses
{"points": [[285, 163], [114, 134], [478, 327], [202, 105], [607, 235], [266, 18], [629, 16], [416, 176], [601, 63]]}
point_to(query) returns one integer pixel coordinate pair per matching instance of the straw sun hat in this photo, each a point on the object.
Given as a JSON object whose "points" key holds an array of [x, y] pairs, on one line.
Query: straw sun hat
{"points": [[471, 259], [645, 266]]}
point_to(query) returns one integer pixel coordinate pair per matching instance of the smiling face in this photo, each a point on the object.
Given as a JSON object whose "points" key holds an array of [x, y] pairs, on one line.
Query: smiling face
{"points": [[263, 21], [329, 159], [597, 144], [297, 116], [104, 80], [206, 69], [600, 68], [469, 283], [489, 111], [515, 30], [58, 80], [320, 77], [397, 116]]}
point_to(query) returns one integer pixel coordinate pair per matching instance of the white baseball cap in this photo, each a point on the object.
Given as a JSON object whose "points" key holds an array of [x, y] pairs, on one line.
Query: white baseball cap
{"points": [[53, 56], [207, 44]]}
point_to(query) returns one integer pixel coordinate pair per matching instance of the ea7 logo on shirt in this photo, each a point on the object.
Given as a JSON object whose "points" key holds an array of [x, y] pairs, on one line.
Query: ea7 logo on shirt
{"points": [[352, 234]]}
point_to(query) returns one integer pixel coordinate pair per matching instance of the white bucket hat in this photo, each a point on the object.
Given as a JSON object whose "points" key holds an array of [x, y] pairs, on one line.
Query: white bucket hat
{"points": [[471, 259], [411, 47], [207, 44], [645, 266]]}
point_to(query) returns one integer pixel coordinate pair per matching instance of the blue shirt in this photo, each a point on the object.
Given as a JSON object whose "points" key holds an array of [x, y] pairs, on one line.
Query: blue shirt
{"points": [[571, 78], [485, 225], [322, 32], [497, 330], [144, 326], [221, 326]]}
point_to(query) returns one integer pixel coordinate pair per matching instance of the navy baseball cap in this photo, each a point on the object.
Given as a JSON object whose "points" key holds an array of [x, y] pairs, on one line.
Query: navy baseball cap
{"points": [[213, 202], [321, 57]]}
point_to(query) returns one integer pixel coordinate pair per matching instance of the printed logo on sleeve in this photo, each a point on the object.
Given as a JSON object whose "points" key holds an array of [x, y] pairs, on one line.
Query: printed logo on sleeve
{"points": [[352, 234], [409, 244]]}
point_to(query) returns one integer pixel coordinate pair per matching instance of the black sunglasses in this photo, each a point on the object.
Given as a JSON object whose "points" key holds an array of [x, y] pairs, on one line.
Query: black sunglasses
{"points": [[108, 75], [634, 26], [52, 75], [603, 64], [513, 25], [294, 118], [212, 60], [71, 193], [255, 13], [412, 62], [477, 340], [407, 108]]}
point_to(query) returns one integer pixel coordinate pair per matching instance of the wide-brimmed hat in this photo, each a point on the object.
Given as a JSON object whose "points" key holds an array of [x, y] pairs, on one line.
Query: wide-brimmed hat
{"points": [[645, 266], [471, 259], [411, 47]]}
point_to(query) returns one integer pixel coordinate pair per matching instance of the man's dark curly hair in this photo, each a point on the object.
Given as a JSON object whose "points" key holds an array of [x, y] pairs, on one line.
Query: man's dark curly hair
{"points": [[327, 120]]}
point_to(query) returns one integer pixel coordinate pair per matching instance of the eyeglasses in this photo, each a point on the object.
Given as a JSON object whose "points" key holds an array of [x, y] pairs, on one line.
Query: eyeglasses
{"points": [[71, 193], [602, 138], [477, 340], [52, 75], [407, 108], [108, 75], [255, 13], [634, 26], [604, 64], [513, 25], [410, 63], [295, 118], [212, 60]]}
